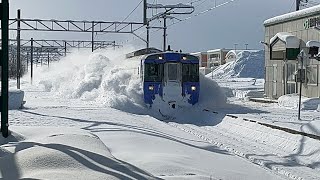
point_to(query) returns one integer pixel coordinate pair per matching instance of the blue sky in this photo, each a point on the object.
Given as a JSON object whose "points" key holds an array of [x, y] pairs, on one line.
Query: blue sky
{"points": [[238, 22]]}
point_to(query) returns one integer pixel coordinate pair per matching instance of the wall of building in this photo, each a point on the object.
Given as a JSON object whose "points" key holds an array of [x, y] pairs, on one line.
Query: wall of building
{"points": [[295, 27]]}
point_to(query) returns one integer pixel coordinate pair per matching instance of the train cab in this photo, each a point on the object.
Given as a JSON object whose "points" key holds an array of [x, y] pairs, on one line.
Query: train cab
{"points": [[170, 77]]}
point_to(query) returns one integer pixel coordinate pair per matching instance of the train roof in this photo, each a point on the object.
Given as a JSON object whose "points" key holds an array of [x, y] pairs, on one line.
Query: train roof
{"points": [[143, 51], [157, 56]]}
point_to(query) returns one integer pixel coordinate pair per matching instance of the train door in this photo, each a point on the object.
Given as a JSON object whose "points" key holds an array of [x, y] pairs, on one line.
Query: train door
{"points": [[172, 90]]}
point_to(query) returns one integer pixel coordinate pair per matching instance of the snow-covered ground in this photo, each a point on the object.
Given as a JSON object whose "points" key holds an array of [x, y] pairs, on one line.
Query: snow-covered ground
{"points": [[84, 118]]}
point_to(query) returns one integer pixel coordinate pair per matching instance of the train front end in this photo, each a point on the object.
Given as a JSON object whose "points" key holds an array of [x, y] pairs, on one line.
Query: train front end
{"points": [[172, 78]]}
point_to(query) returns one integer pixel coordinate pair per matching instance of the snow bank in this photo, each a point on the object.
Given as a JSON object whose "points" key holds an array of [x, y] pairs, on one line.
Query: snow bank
{"points": [[55, 153], [107, 78], [292, 101], [248, 65]]}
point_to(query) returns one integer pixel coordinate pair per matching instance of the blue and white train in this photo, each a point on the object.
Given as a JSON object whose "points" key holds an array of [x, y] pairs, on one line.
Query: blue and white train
{"points": [[170, 77]]}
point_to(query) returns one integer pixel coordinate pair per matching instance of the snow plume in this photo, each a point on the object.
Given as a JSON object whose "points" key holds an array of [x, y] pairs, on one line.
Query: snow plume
{"points": [[249, 64], [104, 76], [211, 94], [107, 78]]}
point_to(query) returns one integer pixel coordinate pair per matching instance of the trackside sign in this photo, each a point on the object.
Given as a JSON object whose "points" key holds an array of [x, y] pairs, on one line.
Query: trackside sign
{"points": [[312, 22]]}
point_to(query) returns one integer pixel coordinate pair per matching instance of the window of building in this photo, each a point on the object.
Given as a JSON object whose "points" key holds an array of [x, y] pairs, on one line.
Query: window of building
{"points": [[312, 75], [277, 50], [274, 80], [291, 70], [291, 78]]}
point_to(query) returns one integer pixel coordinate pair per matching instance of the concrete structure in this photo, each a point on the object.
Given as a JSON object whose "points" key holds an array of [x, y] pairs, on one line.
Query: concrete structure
{"points": [[285, 37]]}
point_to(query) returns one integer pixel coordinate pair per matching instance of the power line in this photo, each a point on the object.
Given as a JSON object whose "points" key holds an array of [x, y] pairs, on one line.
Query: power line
{"points": [[125, 17], [203, 12], [132, 11], [293, 1]]}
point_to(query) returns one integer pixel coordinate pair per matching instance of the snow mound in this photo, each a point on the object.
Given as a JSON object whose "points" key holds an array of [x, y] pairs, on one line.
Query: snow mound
{"points": [[15, 99], [292, 101], [249, 64], [70, 154]]}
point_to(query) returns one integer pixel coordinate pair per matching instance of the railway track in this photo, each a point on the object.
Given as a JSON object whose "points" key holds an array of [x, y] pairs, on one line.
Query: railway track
{"points": [[258, 149]]}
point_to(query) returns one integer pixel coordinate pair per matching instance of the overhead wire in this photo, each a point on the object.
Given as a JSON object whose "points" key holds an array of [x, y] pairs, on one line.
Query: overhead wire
{"points": [[124, 18], [293, 2], [198, 14]]}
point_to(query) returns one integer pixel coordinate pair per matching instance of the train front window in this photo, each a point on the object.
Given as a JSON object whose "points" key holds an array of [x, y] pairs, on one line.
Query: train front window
{"points": [[153, 72], [190, 72], [172, 72]]}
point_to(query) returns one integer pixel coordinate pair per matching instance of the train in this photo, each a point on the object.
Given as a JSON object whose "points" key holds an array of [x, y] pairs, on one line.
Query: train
{"points": [[170, 77]]}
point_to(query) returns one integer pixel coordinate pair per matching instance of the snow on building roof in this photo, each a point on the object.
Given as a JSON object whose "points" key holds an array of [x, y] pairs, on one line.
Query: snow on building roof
{"points": [[313, 44], [198, 53], [293, 15], [218, 50], [290, 40], [239, 51]]}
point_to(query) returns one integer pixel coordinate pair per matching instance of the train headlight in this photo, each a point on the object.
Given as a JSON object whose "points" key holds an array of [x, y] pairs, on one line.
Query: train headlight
{"points": [[184, 58], [193, 88], [160, 57], [151, 88]]}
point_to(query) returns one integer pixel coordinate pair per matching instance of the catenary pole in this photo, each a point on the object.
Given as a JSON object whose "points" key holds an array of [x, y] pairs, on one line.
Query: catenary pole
{"points": [[298, 5], [4, 14], [18, 49]]}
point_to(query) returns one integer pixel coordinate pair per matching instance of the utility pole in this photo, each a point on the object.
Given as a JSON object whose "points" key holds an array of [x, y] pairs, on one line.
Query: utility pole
{"points": [[164, 33], [145, 21], [298, 5], [301, 81], [92, 37], [31, 60], [18, 50], [4, 57], [167, 11]]}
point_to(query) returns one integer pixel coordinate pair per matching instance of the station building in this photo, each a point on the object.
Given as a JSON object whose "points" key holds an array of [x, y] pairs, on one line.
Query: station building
{"points": [[217, 57], [202, 58], [286, 36]]}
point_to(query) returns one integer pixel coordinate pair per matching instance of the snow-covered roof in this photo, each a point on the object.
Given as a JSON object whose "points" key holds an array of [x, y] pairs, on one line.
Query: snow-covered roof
{"points": [[198, 53], [293, 15], [235, 52], [218, 50], [313, 44], [290, 40]]}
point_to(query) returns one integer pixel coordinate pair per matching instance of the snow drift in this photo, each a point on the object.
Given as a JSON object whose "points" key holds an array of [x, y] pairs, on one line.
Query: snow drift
{"points": [[249, 64], [61, 153], [292, 101]]}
